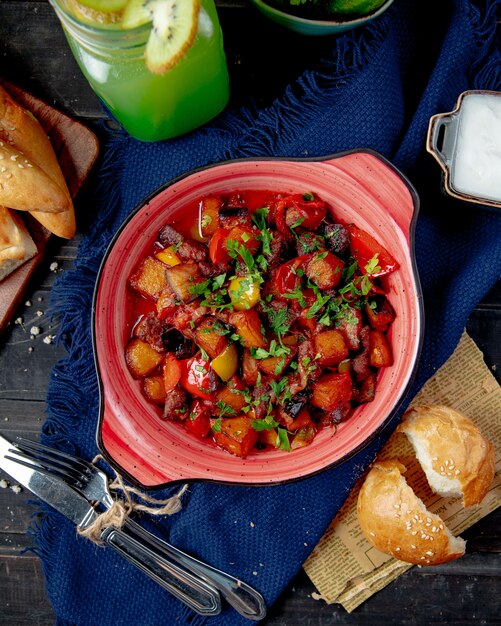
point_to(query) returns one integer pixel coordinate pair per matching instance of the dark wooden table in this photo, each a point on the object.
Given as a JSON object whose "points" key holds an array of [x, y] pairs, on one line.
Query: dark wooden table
{"points": [[34, 54]]}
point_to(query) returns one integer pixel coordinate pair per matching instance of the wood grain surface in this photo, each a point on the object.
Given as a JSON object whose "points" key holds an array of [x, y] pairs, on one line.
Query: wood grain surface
{"points": [[262, 60], [77, 149]]}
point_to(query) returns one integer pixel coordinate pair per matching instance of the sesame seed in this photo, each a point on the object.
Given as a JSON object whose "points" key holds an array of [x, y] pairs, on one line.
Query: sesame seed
{"points": [[3, 168], [396, 506], [372, 534], [413, 546], [414, 532], [397, 549], [457, 472], [433, 529], [13, 157], [20, 166], [446, 462], [430, 553]]}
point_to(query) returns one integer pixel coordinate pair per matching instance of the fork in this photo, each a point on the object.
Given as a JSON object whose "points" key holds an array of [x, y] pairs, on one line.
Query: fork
{"points": [[92, 483]]}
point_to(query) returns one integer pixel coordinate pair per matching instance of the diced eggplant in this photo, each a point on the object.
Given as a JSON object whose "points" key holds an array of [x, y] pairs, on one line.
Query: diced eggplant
{"points": [[151, 330], [169, 236], [337, 415], [175, 342], [337, 238], [192, 250], [175, 404], [182, 278], [360, 362], [350, 325], [295, 405], [308, 242], [232, 216], [365, 391]]}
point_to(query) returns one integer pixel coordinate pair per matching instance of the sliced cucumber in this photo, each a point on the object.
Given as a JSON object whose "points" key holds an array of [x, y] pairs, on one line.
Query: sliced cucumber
{"points": [[173, 31]]}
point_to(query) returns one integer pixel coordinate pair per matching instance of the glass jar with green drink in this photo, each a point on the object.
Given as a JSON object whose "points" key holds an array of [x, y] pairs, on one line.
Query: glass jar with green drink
{"points": [[158, 65]]}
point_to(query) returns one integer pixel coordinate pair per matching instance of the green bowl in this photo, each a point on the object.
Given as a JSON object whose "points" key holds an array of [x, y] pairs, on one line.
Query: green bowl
{"points": [[306, 26]]}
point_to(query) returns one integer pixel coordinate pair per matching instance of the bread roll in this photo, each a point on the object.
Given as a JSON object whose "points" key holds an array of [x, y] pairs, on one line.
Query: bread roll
{"points": [[20, 129], [397, 522], [456, 457], [24, 186], [16, 244]]}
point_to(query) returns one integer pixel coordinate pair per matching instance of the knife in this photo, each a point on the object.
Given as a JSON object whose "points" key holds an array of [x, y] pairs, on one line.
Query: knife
{"points": [[194, 592]]}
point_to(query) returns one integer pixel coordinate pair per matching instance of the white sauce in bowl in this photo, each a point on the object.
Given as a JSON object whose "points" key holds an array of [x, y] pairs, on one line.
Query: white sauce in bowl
{"points": [[477, 158]]}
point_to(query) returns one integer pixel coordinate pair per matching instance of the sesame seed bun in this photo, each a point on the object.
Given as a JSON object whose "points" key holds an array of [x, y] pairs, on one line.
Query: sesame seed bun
{"points": [[397, 522], [456, 458]]}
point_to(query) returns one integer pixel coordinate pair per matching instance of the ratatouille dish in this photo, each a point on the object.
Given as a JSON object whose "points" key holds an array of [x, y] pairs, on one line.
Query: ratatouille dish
{"points": [[258, 320]]}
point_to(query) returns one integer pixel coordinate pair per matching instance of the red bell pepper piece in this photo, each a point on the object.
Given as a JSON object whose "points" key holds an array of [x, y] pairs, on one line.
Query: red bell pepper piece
{"points": [[286, 279], [243, 235], [172, 372], [364, 248], [296, 210], [198, 378], [198, 421]]}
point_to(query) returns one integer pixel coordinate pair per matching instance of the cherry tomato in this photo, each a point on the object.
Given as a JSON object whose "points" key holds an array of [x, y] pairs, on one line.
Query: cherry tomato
{"points": [[364, 248], [243, 235], [309, 212]]}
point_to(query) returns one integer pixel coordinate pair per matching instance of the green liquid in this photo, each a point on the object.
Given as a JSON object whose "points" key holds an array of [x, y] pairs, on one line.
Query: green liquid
{"points": [[153, 107]]}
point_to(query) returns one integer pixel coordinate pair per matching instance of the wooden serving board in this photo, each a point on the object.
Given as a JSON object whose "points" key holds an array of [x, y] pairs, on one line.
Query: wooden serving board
{"points": [[77, 149]]}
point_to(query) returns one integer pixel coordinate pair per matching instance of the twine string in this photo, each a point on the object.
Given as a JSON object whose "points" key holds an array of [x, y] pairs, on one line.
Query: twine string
{"points": [[121, 509]]}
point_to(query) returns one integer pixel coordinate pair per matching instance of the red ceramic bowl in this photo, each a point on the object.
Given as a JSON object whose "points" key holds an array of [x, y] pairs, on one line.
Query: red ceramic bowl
{"points": [[361, 187]]}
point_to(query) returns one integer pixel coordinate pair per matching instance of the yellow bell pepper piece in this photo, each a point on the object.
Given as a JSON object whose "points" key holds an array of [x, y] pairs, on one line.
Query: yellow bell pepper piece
{"points": [[226, 363], [168, 256]]}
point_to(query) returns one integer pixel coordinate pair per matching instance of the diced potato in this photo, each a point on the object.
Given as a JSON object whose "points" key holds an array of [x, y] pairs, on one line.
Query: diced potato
{"points": [[380, 350], [330, 348], [154, 389], [226, 363], [230, 396], [381, 314], [268, 437], [141, 358], [325, 270], [332, 390], [208, 337], [149, 278], [236, 435], [182, 277], [275, 365], [248, 326]]}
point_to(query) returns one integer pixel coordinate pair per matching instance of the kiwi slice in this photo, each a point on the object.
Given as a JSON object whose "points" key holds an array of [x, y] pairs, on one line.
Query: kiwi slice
{"points": [[175, 24], [105, 6], [135, 14], [92, 16]]}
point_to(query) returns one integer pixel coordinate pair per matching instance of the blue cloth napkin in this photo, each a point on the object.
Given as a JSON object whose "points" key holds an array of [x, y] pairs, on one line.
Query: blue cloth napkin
{"points": [[376, 88]]}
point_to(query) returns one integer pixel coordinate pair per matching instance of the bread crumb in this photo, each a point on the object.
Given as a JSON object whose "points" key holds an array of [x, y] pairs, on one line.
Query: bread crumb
{"points": [[39, 313], [54, 266], [18, 320], [50, 338], [35, 330], [4, 484], [16, 488], [27, 303]]}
